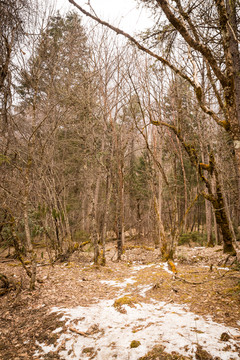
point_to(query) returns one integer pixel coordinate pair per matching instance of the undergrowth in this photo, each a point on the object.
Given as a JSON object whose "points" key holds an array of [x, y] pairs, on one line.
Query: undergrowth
{"points": [[193, 237]]}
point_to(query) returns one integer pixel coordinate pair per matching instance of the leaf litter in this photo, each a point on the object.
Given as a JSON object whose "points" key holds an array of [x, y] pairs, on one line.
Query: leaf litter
{"points": [[159, 323], [73, 314]]}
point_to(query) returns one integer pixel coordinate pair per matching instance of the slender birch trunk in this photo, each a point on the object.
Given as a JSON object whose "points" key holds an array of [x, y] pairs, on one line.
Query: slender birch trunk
{"points": [[120, 211], [105, 217], [94, 232], [30, 249]]}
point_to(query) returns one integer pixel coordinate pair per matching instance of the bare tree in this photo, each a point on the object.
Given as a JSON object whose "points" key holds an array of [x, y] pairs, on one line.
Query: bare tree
{"points": [[222, 80]]}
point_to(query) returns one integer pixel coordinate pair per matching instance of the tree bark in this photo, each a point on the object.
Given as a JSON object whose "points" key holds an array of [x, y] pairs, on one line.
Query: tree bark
{"points": [[208, 209], [30, 250], [234, 49], [105, 217], [120, 210], [222, 219], [95, 234]]}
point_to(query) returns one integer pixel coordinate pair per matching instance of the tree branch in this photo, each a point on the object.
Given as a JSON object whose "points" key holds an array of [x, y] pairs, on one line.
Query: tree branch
{"points": [[134, 41], [186, 16], [179, 25], [196, 45], [223, 20]]}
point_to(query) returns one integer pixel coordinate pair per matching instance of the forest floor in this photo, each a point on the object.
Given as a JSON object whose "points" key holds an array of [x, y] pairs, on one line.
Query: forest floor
{"points": [[133, 309]]}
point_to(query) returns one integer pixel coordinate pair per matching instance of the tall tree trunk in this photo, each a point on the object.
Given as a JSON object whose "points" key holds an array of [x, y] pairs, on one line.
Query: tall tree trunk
{"points": [[185, 186], [157, 152], [30, 249], [46, 239], [94, 232], [208, 205], [222, 219], [164, 245], [216, 229], [86, 211], [216, 198], [159, 204], [229, 217], [231, 7], [120, 210], [66, 218], [105, 217], [208, 210]]}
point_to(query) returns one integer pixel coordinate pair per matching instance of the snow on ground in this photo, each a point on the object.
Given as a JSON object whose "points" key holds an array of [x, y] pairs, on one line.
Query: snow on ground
{"points": [[123, 284], [106, 333], [217, 267], [136, 268], [119, 284]]}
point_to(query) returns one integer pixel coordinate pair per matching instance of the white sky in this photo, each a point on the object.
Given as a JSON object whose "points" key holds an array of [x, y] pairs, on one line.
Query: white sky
{"points": [[121, 13]]}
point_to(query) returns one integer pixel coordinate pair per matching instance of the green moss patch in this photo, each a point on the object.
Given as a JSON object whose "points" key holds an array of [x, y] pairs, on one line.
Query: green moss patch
{"points": [[125, 300], [159, 353], [135, 344]]}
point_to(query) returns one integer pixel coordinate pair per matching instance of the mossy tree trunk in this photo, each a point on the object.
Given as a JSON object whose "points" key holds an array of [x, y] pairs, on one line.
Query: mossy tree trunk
{"points": [[214, 191], [217, 201], [208, 209]]}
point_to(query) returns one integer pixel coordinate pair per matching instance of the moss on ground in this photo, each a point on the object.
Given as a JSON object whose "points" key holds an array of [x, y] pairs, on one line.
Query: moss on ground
{"points": [[125, 300], [135, 344], [158, 353]]}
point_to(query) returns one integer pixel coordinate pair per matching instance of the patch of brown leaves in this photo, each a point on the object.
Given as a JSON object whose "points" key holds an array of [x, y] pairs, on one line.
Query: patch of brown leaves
{"points": [[26, 317]]}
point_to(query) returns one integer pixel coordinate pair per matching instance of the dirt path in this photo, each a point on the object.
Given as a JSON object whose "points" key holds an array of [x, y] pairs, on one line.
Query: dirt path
{"points": [[124, 310]]}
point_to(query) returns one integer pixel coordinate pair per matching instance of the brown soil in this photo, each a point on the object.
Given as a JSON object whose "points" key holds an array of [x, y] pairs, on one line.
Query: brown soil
{"points": [[25, 316]]}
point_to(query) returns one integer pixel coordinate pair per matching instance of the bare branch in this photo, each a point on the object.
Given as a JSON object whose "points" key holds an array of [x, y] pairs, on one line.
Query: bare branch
{"points": [[134, 41], [186, 17], [196, 45], [193, 43]]}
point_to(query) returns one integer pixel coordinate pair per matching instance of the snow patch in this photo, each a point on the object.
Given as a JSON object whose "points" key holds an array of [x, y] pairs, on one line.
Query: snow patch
{"points": [[100, 332], [143, 289], [216, 267], [57, 330], [141, 267], [122, 284], [157, 323]]}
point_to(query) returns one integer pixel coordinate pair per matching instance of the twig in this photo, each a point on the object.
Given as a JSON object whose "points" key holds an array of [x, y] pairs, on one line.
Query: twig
{"points": [[204, 281], [78, 332]]}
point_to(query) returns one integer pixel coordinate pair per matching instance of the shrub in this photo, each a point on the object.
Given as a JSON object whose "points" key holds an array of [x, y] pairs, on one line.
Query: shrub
{"points": [[81, 236], [193, 237]]}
